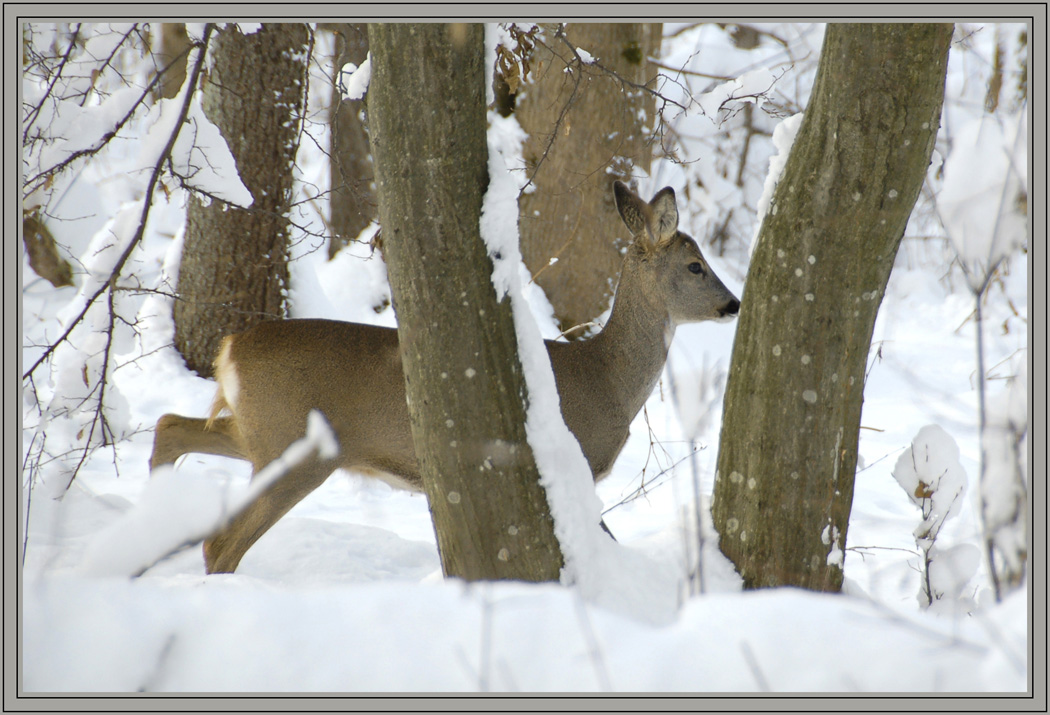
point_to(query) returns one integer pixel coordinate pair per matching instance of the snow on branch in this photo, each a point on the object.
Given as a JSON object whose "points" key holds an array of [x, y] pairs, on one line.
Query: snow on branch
{"points": [[930, 474], [95, 127], [158, 166], [983, 202], [80, 355]]}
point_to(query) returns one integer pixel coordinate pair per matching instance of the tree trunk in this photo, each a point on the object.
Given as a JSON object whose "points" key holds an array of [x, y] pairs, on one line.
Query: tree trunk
{"points": [[598, 126], [784, 486], [172, 41], [234, 269], [353, 203], [465, 385]]}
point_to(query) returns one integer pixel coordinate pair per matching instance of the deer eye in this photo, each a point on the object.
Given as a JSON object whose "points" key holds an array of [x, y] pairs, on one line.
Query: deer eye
{"points": [[695, 267]]}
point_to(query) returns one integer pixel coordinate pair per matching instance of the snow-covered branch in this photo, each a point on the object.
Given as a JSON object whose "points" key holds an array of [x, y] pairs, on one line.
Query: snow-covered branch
{"points": [[178, 511], [147, 202]]}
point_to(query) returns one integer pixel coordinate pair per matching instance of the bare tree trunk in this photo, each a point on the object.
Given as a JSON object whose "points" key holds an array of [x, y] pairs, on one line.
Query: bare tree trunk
{"points": [[784, 487], [172, 41], [234, 269], [465, 385], [353, 203], [586, 129]]}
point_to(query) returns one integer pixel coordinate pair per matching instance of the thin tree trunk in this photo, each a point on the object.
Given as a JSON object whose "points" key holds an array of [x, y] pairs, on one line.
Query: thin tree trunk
{"points": [[172, 40], [353, 203], [464, 382], [234, 270], [784, 486]]}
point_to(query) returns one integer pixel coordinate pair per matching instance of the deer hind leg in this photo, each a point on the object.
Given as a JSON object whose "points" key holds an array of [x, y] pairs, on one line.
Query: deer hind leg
{"points": [[176, 435], [224, 550]]}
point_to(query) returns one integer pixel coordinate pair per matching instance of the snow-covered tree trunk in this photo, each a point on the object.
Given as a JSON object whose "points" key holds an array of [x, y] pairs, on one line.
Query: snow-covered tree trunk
{"points": [[234, 270], [788, 452], [464, 381]]}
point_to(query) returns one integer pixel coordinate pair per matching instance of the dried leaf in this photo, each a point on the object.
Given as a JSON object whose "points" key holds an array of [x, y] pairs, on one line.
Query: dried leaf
{"points": [[923, 490]]}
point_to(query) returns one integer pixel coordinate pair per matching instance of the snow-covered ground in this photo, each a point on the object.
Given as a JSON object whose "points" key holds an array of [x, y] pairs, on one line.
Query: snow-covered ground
{"points": [[345, 593]]}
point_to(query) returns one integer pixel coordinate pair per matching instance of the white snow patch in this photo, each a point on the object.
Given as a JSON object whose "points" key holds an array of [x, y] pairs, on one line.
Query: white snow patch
{"points": [[750, 87], [783, 138], [360, 77], [200, 154], [983, 200]]}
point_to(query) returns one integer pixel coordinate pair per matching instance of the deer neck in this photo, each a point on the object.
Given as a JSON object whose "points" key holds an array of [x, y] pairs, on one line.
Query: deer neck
{"points": [[632, 347]]}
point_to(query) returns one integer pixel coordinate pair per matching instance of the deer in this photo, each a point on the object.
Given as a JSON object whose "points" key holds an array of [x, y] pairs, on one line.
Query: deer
{"points": [[273, 374]]}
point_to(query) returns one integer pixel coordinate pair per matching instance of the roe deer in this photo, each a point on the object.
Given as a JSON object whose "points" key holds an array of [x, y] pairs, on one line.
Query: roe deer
{"points": [[270, 376]]}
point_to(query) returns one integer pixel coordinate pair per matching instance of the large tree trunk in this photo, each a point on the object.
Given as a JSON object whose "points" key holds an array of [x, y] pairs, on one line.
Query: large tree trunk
{"points": [[234, 269], [784, 486], [464, 382], [586, 129]]}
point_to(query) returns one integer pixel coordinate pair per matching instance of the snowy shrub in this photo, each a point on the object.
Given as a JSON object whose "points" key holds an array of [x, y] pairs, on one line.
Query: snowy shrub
{"points": [[1004, 487], [930, 473]]}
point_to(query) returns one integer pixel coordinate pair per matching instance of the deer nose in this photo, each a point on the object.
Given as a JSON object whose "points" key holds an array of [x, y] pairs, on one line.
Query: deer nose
{"points": [[731, 308]]}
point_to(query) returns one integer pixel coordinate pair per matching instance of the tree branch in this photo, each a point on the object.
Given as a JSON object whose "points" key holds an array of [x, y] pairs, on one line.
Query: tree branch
{"points": [[35, 112], [146, 205], [33, 183]]}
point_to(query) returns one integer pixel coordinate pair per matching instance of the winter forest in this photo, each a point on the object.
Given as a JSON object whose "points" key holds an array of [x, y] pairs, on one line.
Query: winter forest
{"points": [[825, 487]]}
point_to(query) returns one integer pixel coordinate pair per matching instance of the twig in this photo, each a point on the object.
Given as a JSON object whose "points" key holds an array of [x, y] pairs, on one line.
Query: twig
{"points": [[97, 73], [989, 540], [580, 326], [100, 415], [752, 663], [33, 183], [35, 112], [691, 73], [29, 502], [577, 77], [485, 649]]}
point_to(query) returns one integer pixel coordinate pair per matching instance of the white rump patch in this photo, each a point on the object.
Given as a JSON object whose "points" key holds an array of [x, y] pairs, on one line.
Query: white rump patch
{"points": [[226, 376]]}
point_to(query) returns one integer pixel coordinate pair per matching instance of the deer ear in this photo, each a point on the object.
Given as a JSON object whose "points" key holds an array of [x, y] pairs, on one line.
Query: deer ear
{"points": [[664, 215], [634, 212]]}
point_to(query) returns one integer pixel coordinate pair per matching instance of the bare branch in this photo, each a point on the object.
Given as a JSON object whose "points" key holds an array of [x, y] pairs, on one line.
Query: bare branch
{"points": [[577, 77], [35, 111], [105, 63], [147, 203], [35, 182]]}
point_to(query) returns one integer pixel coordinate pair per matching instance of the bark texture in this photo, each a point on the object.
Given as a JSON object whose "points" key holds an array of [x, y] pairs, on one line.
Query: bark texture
{"points": [[788, 453], [234, 269], [353, 203], [586, 128], [464, 383]]}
